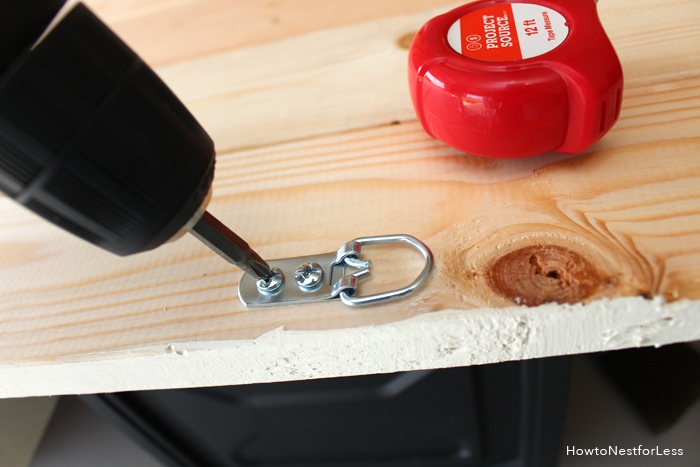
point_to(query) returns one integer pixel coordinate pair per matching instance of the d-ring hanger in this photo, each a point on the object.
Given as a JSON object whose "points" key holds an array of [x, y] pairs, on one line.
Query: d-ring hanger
{"points": [[317, 278]]}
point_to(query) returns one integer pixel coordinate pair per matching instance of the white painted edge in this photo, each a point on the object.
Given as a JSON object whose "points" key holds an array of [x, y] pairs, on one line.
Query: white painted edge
{"points": [[435, 340]]}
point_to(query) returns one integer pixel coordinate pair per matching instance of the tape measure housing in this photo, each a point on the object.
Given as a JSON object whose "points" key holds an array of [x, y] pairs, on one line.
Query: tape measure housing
{"points": [[516, 79]]}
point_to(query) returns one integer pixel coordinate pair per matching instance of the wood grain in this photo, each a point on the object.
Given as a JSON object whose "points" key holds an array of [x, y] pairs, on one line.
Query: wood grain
{"points": [[168, 31], [318, 145]]}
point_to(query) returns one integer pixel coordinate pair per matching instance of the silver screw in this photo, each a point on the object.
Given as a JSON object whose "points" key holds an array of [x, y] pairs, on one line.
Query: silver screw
{"points": [[273, 284], [308, 275]]}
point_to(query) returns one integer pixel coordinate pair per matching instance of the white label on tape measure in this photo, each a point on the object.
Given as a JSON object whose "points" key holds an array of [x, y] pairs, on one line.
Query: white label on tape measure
{"points": [[508, 31]]}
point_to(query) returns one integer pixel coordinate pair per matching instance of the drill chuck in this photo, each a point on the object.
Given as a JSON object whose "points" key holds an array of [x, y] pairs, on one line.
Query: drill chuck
{"points": [[93, 141]]}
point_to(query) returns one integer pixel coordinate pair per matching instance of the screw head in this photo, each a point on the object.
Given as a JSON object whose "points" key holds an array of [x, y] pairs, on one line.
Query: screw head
{"points": [[309, 275], [273, 284]]}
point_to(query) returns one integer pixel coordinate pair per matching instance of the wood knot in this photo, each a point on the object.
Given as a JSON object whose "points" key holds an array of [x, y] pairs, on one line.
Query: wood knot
{"points": [[538, 274], [404, 42]]}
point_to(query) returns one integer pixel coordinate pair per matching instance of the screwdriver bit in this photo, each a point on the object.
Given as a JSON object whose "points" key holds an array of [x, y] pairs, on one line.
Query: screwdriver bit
{"points": [[210, 231]]}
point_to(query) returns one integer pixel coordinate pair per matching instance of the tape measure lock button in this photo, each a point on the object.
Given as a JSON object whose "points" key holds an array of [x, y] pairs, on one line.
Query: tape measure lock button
{"points": [[514, 79]]}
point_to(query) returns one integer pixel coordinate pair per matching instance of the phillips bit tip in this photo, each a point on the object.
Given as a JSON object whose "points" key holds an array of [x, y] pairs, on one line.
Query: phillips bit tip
{"points": [[230, 246]]}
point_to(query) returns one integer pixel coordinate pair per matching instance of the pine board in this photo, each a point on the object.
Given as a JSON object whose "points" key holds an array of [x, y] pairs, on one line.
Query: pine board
{"points": [[317, 145]]}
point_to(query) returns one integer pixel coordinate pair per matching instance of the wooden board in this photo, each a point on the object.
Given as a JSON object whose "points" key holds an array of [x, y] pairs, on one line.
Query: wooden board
{"points": [[318, 145]]}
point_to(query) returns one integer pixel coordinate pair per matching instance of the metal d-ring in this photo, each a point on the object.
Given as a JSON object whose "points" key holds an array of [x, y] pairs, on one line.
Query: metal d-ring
{"points": [[351, 299]]}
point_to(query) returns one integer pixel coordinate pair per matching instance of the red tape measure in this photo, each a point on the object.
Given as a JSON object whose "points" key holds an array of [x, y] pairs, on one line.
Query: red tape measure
{"points": [[513, 79]]}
